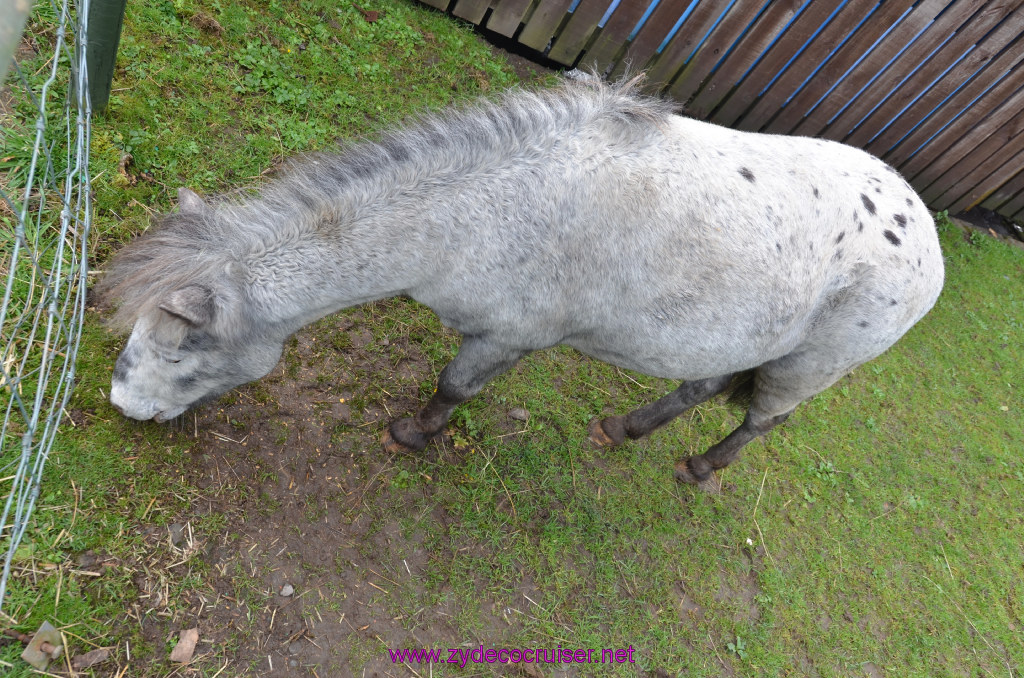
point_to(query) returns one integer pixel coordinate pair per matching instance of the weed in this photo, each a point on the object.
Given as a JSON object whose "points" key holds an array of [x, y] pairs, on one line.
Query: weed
{"points": [[738, 647], [402, 480]]}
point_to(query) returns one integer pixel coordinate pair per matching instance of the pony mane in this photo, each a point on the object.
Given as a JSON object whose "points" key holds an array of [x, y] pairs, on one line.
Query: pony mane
{"points": [[209, 247]]}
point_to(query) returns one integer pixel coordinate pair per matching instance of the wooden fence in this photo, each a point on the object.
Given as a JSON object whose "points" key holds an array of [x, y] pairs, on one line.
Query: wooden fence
{"points": [[934, 87]]}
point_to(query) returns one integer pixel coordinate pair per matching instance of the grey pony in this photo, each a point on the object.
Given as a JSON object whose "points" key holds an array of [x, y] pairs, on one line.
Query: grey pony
{"points": [[587, 215]]}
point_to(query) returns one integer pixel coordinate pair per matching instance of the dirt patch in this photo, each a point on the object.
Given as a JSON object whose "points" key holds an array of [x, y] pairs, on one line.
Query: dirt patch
{"points": [[992, 223], [302, 578], [307, 569]]}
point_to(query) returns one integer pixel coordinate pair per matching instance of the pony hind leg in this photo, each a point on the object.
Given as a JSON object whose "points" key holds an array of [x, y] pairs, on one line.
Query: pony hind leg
{"points": [[700, 470], [478, 361], [779, 386], [614, 430]]}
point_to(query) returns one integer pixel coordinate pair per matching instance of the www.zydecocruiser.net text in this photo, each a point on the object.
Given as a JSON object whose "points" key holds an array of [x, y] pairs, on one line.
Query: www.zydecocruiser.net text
{"points": [[477, 655]]}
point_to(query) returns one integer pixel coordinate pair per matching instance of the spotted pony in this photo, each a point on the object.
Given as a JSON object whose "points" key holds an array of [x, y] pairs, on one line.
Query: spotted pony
{"points": [[587, 215]]}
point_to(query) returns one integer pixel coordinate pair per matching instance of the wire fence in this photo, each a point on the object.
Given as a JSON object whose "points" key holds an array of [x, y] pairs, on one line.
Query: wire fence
{"points": [[44, 228]]}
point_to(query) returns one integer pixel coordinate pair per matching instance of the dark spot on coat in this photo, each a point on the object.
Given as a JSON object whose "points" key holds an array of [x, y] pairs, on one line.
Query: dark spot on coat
{"points": [[860, 226], [862, 323], [816, 193], [839, 238], [838, 255], [900, 220], [910, 203], [891, 237], [778, 246], [398, 152], [183, 383], [892, 302], [878, 190], [747, 174], [919, 262], [125, 363], [197, 341], [870, 206], [121, 368]]}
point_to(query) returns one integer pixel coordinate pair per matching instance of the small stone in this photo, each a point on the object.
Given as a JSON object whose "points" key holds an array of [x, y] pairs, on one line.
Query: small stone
{"points": [[84, 661], [293, 663], [519, 414], [186, 647], [295, 648], [287, 590]]}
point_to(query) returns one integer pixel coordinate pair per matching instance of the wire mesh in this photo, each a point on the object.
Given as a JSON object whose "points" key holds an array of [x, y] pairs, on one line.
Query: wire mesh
{"points": [[44, 228]]}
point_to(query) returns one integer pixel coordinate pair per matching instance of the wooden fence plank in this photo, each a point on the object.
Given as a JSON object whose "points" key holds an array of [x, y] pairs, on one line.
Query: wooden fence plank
{"points": [[573, 38], [837, 66], [804, 65], [970, 152], [766, 27], [967, 131], [891, 111], [1008, 199], [683, 43], [982, 189], [817, 119], [910, 60], [993, 145], [471, 10], [1010, 59], [922, 107], [776, 56], [543, 24], [724, 35], [650, 36], [614, 34], [507, 16]]}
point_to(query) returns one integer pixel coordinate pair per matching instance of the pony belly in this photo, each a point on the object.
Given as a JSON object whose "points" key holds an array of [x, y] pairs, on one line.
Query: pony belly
{"points": [[674, 361]]}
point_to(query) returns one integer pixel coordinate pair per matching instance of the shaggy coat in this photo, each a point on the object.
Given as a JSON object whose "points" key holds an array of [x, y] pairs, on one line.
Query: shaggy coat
{"points": [[586, 215]]}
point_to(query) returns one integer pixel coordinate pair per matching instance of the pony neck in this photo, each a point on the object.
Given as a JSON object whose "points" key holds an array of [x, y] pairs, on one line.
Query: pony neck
{"points": [[315, 265]]}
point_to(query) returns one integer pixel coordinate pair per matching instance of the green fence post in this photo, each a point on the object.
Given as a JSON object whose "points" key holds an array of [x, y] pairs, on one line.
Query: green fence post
{"points": [[105, 19]]}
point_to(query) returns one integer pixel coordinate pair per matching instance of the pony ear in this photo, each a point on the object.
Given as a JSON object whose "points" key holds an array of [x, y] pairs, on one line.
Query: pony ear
{"points": [[193, 304], [190, 202]]}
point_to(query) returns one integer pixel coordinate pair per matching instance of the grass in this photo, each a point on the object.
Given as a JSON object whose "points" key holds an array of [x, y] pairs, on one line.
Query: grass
{"points": [[876, 533]]}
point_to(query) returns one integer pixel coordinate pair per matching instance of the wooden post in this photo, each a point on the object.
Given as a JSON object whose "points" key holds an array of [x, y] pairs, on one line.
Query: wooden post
{"points": [[105, 19]]}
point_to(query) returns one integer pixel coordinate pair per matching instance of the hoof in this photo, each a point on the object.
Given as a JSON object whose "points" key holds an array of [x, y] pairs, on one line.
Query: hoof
{"points": [[398, 436], [607, 432], [392, 446], [709, 483]]}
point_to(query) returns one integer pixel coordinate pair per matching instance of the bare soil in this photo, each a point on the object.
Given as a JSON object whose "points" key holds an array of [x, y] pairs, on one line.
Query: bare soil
{"points": [[307, 574], [293, 463]]}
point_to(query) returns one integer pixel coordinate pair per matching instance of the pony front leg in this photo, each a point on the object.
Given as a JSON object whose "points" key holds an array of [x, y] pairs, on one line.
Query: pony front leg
{"points": [[478, 361]]}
